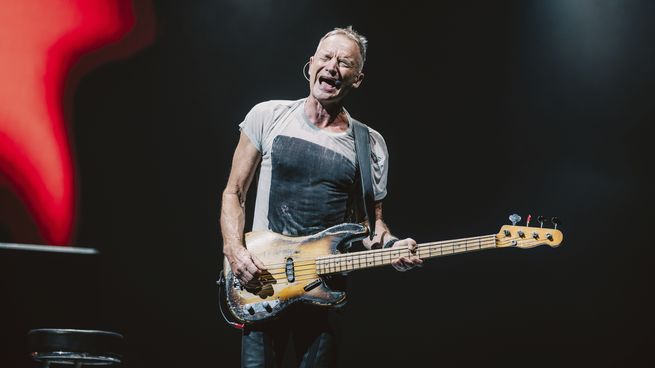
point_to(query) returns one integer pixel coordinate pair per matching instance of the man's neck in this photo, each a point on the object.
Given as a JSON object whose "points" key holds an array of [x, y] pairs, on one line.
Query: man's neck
{"points": [[330, 117]]}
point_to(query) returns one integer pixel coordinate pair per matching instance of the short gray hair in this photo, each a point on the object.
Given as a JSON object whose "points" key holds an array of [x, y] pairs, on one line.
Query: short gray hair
{"points": [[358, 38]]}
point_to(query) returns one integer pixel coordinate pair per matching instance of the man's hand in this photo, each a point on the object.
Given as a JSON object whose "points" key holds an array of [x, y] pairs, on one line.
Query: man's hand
{"points": [[403, 264], [245, 266]]}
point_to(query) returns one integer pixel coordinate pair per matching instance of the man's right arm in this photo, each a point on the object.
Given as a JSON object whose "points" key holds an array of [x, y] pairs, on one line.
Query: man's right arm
{"points": [[245, 266]]}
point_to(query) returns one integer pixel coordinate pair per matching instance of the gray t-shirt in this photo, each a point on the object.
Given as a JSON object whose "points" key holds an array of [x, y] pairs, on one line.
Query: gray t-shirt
{"points": [[308, 176]]}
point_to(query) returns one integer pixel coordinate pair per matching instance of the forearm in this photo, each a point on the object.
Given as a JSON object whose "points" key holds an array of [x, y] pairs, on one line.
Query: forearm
{"points": [[232, 221], [382, 233], [233, 214], [384, 239]]}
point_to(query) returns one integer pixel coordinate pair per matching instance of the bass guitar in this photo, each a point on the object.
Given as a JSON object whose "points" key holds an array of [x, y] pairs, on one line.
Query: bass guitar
{"points": [[298, 267]]}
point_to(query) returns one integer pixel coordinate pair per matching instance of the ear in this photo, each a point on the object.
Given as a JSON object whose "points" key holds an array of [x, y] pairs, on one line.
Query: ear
{"points": [[358, 81]]}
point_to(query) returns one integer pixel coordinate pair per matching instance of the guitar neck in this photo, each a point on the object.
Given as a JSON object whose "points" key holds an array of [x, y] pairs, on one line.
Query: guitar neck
{"points": [[339, 263]]}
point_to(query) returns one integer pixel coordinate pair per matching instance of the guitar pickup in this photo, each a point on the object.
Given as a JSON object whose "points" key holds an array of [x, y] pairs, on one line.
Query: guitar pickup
{"points": [[289, 270], [312, 285]]}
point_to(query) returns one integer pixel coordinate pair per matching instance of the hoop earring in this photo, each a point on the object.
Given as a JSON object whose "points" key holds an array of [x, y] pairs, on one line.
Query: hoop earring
{"points": [[303, 71]]}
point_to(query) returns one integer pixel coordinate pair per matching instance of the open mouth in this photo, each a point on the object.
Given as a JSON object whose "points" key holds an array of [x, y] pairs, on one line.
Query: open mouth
{"points": [[332, 82]]}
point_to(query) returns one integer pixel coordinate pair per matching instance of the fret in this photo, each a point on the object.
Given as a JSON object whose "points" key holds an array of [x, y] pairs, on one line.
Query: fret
{"points": [[379, 257]]}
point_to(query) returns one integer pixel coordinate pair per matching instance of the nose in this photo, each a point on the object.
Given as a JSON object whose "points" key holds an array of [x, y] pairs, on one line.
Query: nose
{"points": [[331, 66]]}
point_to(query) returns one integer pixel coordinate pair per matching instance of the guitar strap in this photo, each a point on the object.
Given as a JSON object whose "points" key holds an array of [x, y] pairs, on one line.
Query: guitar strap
{"points": [[363, 151]]}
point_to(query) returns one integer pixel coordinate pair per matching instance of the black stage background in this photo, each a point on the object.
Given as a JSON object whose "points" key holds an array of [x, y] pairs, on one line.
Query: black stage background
{"points": [[488, 108]]}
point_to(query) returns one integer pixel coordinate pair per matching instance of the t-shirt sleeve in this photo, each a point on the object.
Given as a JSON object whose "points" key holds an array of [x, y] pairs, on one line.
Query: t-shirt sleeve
{"points": [[379, 164], [261, 120], [254, 123]]}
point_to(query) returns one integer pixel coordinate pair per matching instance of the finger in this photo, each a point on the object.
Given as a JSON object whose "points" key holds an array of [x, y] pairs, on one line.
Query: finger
{"points": [[245, 277], [411, 245], [397, 265], [252, 268], [258, 263], [416, 262], [401, 264], [411, 262]]}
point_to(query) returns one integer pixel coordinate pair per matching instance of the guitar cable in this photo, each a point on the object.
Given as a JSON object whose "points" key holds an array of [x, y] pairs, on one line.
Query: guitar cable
{"points": [[221, 284]]}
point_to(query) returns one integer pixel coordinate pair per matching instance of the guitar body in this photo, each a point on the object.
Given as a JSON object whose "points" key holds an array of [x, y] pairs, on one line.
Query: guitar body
{"points": [[291, 275], [298, 268]]}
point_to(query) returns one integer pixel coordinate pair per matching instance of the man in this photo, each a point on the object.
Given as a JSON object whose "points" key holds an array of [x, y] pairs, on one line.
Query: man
{"points": [[306, 184]]}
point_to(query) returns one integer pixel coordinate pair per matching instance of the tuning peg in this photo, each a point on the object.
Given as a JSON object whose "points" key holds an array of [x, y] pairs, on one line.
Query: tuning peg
{"points": [[514, 218], [541, 220], [555, 221]]}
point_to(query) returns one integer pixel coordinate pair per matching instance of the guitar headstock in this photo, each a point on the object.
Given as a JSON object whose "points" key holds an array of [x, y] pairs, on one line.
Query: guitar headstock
{"points": [[528, 237]]}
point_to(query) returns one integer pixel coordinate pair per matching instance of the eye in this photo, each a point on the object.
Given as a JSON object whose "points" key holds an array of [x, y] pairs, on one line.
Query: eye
{"points": [[346, 63]]}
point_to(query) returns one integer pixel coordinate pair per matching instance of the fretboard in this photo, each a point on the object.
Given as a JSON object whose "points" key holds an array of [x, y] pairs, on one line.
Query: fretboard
{"points": [[379, 257]]}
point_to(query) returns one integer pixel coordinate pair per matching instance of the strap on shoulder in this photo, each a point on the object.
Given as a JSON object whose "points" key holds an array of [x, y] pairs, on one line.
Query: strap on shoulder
{"points": [[363, 151]]}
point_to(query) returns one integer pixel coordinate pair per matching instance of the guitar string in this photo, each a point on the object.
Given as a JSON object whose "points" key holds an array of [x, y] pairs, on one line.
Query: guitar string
{"points": [[302, 270], [331, 262], [354, 265], [308, 277], [298, 279], [424, 251], [313, 275], [377, 251], [423, 245], [453, 243]]}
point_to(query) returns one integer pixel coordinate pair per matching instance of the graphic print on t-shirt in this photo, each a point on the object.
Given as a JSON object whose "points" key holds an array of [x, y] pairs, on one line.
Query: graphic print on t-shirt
{"points": [[310, 185]]}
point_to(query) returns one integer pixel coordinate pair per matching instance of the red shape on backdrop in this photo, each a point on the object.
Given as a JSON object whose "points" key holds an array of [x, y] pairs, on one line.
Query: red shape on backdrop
{"points": [[45, 48]]}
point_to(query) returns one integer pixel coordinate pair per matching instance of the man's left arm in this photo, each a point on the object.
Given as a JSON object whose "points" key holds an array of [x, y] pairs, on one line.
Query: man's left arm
{"points": [[384, 239]]}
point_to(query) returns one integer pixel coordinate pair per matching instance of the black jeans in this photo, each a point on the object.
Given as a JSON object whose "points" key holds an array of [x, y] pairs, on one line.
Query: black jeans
{"points": [[312, 331]]}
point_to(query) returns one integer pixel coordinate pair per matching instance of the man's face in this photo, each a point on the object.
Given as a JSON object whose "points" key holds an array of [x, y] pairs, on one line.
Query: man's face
{"points": [[334, 68]]}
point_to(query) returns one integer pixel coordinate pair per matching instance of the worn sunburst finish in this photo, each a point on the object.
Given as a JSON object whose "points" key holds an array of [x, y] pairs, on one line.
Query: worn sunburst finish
{"points": [[284, 284], [297, 266]]}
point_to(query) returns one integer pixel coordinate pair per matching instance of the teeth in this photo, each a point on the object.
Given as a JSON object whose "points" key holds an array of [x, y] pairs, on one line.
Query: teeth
{"points": [[332, 82]]}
